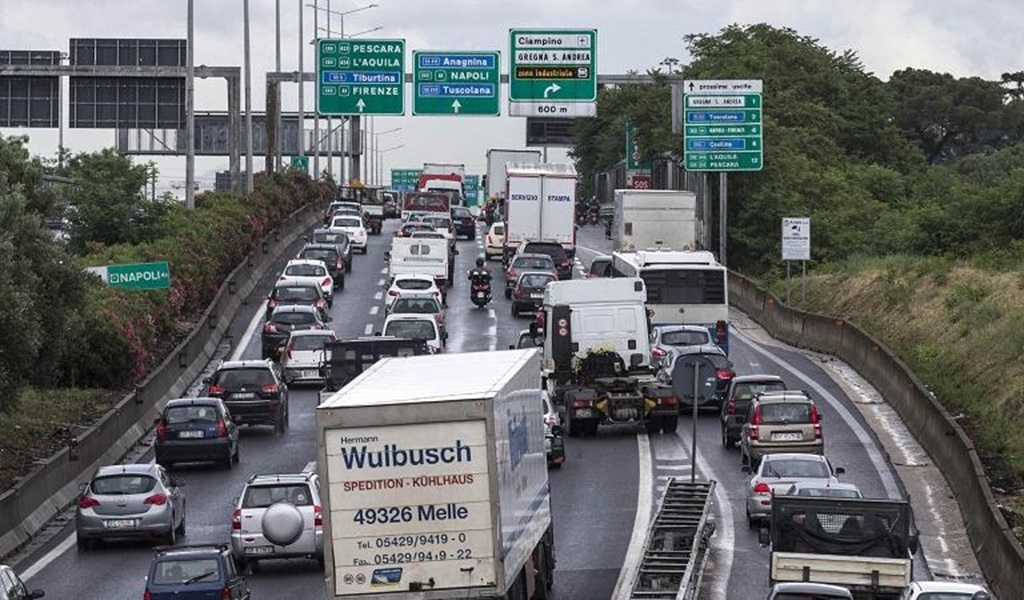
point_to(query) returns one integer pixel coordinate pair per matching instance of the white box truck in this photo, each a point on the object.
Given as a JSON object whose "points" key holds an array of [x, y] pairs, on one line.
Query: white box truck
{"points": [[650, 219], [540, 206], [498, 160], [435, 480], [422, 256]]}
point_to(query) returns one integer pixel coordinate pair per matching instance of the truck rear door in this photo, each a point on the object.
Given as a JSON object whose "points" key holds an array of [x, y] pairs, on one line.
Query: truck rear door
{"points": [[558, 211], [523, 211]]}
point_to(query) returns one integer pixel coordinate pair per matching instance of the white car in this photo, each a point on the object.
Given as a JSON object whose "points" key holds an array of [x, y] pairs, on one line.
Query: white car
{"points": [[494, 241], [411, 283], [302, 270], [420, 304], [354, 228], [303, 354], [944, 590], [421, 327]]}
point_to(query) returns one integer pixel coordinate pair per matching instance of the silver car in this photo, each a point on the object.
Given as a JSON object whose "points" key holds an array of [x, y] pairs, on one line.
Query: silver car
{"points": [[303, 355], [130, 501], [278, 516], [777, 473]]}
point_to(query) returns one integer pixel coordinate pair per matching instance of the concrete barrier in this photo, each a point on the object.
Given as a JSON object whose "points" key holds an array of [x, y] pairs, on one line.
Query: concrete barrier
{"points": [[55, 483], [998, 551]]}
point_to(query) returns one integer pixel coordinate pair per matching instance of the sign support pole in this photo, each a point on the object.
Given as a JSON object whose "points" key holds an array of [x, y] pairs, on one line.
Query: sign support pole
{"points": [[693, 435], [316, 117], [723, 195], [803, 283], [788, 281], [190, 124]]}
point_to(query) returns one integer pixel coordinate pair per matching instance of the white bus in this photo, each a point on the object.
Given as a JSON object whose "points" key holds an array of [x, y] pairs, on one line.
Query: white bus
{"points": [[683, 287]]}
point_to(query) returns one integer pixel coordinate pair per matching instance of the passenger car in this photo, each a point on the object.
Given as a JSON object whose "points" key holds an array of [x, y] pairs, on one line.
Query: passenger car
{"points": [[283, 321], [130, 501], [337, 238], [664, 337], [329, 255], [723, 373], [195, 430], [494, 241], [601, 266], [193, 572], [554, 442], [526, 340], [310, 271], [779, 472], [418, 284], [741, 393], [303, 355], [526, 262], [409, 227], [278, 516], [785, 421], [13, 588], [944, 590], [528, 293], [296, 292], [420, 304], [464, 222], [808, 591], [415, 327], [354, 228], [558, 255], [253, 391]]}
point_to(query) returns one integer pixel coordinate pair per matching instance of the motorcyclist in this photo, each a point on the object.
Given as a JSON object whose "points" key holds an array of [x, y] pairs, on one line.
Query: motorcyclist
{"points": [[480, 273]]}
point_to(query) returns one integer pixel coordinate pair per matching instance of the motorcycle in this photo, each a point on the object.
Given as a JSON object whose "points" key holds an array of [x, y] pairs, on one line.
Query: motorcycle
{"points": [[593, 215], [480, 291]]}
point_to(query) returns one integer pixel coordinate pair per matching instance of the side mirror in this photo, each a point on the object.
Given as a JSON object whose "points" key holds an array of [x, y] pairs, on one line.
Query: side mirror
{"points": [[763, 537], [746, 469], [234, 500], [207, 379], [840, 471]]}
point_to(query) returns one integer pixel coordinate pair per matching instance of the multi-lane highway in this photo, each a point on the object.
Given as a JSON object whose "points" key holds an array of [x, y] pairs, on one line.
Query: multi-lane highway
{"points": [[608, 486]]}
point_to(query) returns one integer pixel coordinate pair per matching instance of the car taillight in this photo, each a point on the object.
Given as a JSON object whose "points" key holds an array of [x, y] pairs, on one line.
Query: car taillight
{"points": [[762, 488], [318, 516], [567, 263], [511, 273], [326, 281], [668, 400], [269, 328], [270, 388], [321, 303], [225, 593], [580, 403], [87, 502], [236, 519], [755, 424], [271, 303], [724, 374], [147, 596], [156, 500], [392, 293], [222, 428], [816, 422], [657, 352], [161, 431], [216, 389], [518, 293], [721, 329], [730, 406]]}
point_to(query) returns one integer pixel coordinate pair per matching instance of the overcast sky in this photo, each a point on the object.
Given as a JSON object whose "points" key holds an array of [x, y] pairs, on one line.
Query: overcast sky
{"points": [[963, 37]]}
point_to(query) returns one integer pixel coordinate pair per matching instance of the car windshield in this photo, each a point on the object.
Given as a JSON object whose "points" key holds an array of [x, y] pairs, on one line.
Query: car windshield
{"points": [[122, 485], [236, 378], [184, 414], [828, 493], [417, 329], [773, 413], [535, 281], [329, 237], [297, 294], [947, 596], [414, 284], [746, 391], [533, 263], [426, 306], [324, 254], [262, 496], [347, 222], [807, 596], [685, 338], [294, 318], [555, 251], [310, 342], [171, 571], [305, 271], [498, 230], [794, 467]]}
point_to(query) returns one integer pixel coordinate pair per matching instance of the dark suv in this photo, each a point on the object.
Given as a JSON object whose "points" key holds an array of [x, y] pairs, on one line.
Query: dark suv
{"points": [[724, 373], [742, 391], [296, 292], [199, 571], [284, 320], [337, 239], [328, 253], [195, 430], [464, 222], [562, 260], [253, 391]]}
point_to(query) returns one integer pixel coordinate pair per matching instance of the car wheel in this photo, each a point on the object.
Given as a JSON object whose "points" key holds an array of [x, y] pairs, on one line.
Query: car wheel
{"points": [[320, 561], [725, 439], [238, 455], [83, 544], [229, 460], [341, 286], [508, 294], [364, 250], [330, 302], [241, 564], [171, 537], [348, 267], [669, 424], [515, 313], [279, 425], [181, 526], [751, 523]]}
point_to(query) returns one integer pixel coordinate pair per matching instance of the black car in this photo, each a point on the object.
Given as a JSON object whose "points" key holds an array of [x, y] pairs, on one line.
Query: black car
{"points": [[195, 430], [195, 571], [295, 292], [528, 293], [464, 222], [286, 319], [337, 238], [253, 391], [561, 258], [332, 258], [742, 391], [724, 374]]}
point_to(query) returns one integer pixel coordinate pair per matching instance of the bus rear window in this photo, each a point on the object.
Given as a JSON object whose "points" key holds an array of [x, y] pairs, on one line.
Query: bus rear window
{"points": [[685, 286]]}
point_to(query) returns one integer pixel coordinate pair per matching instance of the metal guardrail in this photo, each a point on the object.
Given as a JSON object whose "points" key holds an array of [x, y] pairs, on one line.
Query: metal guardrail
{"points": [[676, 548]]}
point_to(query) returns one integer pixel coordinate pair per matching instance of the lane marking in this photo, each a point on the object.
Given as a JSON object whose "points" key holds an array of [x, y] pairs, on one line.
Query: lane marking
{"points": [[368, 330], [247, 336], [725, 536], [492, 330], [49, 557], [877, 460], [644, 500], [380, 282], [378, 295], [374, 309]]}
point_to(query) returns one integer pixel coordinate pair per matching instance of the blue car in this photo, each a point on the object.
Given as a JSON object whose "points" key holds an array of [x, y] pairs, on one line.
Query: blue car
{"points": [[194, 572]]}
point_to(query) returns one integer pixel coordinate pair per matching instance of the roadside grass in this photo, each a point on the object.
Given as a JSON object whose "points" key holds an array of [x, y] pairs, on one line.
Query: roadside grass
{"points": [[43, 423]]}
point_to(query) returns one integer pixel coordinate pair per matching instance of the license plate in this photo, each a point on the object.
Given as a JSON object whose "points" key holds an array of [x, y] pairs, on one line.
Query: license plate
{"points": [[537, 296], [259, 550], [192, 433], [584, 413], [479, 294], [120, 523], [311, 373], [787, 437], [244, 396]]}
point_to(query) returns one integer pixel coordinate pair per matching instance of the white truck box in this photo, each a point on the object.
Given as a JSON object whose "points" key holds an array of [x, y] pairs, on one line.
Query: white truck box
{"points": [[420, 256], [541, 205], [498, 160], [445, 169], [434, 477], [646, 219]]}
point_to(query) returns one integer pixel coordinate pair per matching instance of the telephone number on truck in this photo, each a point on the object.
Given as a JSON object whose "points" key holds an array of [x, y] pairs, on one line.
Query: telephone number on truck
{"points": [[415, 541], [422, 556]]}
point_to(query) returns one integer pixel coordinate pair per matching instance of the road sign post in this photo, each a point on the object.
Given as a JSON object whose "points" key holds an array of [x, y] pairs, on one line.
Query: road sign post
{"points": [[552, 72], [722, 125], [638, 170], [364, 77], [796, 245], [135, 276], [456, 83]]}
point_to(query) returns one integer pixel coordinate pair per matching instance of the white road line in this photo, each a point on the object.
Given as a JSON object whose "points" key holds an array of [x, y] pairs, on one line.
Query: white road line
{"points": [[644, 500], [49, 557], [378, 295], [879, 462], [672, 468], [492, 330], [374, 310], [380, 282], [247, 336], [724, 545], [368, 330]]}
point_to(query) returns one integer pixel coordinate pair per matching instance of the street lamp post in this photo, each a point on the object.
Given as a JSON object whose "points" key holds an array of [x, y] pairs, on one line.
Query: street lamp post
{"points": [[375, 170], [380, 161], [248, 102]]}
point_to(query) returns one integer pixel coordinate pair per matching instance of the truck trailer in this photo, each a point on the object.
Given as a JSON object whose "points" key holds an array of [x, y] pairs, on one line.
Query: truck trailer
{"points": [[435, 481], [650, 219], [540, 206], [498, 160]]}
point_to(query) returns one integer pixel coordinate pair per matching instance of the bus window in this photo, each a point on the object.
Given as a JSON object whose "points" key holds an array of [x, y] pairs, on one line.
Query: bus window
{"points": [[685, 286]]}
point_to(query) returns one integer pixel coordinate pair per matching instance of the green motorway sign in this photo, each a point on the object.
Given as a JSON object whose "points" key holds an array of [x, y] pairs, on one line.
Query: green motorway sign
{"points": [[360, 77], [300, 162], [456, 83], [405, 180], [135, 276], [634, 159], [552, 72], [723, 125]]}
